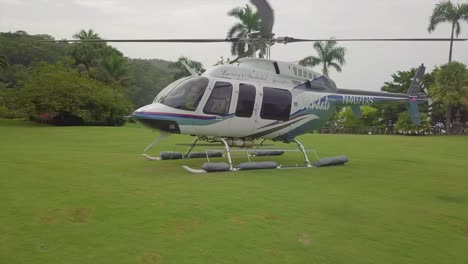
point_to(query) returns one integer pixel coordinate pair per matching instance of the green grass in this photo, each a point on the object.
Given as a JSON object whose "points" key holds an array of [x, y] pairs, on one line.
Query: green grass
{"points": [[85, 195]]}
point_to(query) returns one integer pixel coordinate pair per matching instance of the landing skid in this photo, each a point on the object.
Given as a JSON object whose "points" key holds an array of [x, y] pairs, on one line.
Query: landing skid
{"points": [[201, 171], [148, 157], [229, 166]]}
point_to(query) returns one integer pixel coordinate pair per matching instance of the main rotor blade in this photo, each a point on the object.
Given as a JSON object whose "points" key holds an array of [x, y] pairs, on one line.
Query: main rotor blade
{"points": [[147, 40], [286, 40], [267, 17]]}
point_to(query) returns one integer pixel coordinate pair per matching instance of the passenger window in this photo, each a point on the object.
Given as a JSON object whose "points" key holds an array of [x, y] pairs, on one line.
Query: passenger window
{"points": [[310, 75], [299, 72], [295, 70], [220, 99], [246, 101], [276, 104], [305, 74]]}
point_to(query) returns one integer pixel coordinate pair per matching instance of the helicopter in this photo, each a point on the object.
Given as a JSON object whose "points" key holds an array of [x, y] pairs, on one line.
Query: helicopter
{"points": [[256, 98]]}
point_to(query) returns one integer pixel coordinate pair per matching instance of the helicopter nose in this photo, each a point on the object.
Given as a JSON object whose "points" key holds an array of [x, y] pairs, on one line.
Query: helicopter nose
{"points": [[153, 117]]}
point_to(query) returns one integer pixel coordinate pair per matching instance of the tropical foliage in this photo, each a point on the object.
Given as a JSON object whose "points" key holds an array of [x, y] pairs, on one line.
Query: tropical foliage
{"points": [[76, 69], [328, 55], [405, 125], [448, 12], [4, 63], [248, 21], [86, 35], [59, 91], [117, 69], [400, 83], [450, 87], [370, 117]]}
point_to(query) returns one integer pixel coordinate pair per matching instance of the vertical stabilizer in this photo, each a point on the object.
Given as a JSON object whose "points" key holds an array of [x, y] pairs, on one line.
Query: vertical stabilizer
{"points": [[413, 94]]}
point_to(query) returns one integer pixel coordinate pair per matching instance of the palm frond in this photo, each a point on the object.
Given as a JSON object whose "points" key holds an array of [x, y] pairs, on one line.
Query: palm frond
{"points": [[319, 47], [249, 20], [310, 61], [443, 12], [4, 63], [457, 29], [463, 10], [238, 27], [338, 54], [329, 55], [336, 66], [237, 12]]}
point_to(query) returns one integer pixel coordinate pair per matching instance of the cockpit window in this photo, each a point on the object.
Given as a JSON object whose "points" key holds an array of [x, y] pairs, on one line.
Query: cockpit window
{"points": [[187, 95], [167, 89]]}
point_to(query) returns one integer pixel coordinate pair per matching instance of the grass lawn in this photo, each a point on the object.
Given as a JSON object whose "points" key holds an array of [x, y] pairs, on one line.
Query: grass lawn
{"points": [[85, 195]]}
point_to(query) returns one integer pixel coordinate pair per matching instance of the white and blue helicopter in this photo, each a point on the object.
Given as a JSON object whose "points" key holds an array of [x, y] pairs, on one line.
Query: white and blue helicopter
{"points": [[258, 99]]}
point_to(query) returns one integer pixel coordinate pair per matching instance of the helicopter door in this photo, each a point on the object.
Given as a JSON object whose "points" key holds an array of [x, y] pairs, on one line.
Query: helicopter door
{"points": [[244, 110], [275, 108], [218, 105]]}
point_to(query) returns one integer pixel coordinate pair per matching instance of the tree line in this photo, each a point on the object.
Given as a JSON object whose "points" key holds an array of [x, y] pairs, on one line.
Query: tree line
{"points": [[79, 83]]}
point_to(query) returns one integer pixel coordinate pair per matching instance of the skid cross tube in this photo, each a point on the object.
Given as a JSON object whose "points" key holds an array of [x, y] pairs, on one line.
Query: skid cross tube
{"points": [[304, 152], [228, 153], [189, 150]]}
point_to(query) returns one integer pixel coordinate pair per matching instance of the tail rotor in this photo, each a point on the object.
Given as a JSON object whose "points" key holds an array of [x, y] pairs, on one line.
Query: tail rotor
{"points": [[429, 103]]}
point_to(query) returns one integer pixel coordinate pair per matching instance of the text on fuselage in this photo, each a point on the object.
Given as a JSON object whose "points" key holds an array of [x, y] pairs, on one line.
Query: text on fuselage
{"points": [[359, 100], [321, 104]]}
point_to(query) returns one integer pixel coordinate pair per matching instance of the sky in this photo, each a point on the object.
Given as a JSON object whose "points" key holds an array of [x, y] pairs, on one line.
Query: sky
{"points": [[368, 65]]}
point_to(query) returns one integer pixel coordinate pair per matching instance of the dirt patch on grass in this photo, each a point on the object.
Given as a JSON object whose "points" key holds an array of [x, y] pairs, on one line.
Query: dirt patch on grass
{"points": [[52, 216], [304, 239], [80, 215], [76, 215], [151, 258]]}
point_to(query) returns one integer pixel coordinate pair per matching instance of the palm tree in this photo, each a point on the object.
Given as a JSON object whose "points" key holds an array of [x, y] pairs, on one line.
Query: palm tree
{"points": [[117, 68], [450, 87], [85, 53], [446, 11], [4, 63], [86, 35], [249, 20], [329, 55]]}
